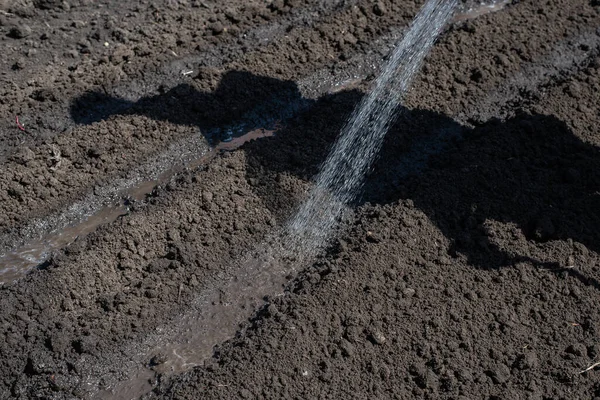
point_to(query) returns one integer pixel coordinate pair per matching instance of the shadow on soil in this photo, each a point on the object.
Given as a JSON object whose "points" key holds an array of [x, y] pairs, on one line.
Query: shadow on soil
{"points": [[241, 103], [530, 171]]}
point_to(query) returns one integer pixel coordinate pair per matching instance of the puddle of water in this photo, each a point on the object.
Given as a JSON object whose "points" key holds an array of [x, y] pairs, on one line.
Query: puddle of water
{"points": [[15, 264]]}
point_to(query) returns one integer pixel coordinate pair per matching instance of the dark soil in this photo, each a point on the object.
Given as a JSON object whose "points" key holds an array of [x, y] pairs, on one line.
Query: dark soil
{"points": [[468, 268]]}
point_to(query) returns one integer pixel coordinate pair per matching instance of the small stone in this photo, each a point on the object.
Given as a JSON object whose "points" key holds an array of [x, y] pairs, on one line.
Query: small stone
{"points": [[574, 90], [377, 337], [379, 9], [409, 292], [19, 32], [471, 296]]}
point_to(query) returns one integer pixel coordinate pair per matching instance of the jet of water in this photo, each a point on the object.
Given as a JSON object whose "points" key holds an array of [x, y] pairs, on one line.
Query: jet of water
{"points": [[341, 176]]}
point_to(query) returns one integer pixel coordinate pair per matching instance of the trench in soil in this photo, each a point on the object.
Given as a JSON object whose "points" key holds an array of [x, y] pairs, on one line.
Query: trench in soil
{"points": [[14, 264]]}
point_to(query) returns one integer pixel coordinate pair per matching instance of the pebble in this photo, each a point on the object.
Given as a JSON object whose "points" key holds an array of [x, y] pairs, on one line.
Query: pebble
{"points": [[574, 90], [20, 32], [379, 8], [378, 337]]}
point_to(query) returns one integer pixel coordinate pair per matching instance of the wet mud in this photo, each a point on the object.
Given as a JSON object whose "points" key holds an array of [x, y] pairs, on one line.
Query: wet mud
{"points": [[167, 145]]}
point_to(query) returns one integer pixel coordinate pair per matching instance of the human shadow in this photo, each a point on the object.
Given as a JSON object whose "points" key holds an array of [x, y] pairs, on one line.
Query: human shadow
{"points": [[530, 171], [242, 102]]}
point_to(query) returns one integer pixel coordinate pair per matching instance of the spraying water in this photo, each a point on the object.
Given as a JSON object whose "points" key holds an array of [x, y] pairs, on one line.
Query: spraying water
{"points": [[341, 176]]}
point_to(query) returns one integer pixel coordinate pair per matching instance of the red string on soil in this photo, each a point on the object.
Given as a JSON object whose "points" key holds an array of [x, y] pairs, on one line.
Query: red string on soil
{"points": [[21, 127]]}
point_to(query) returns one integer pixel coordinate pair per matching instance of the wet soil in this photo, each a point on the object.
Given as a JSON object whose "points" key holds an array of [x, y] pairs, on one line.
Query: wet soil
{"points": [[468, 268]]}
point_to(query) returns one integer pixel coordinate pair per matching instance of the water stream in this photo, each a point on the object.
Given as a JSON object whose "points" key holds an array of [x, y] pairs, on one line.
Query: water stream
{"points": [[342, 174]]}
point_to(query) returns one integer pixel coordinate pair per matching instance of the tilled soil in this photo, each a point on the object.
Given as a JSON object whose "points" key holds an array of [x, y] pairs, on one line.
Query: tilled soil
{"points": [[468, 268]]}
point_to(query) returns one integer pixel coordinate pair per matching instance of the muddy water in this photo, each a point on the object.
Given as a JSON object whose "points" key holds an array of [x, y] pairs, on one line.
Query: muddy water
{"points": [[211, 319]]}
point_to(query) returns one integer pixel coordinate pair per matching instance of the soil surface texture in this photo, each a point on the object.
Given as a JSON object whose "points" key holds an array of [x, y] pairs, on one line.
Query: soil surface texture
{"points": [[468, 268]]}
